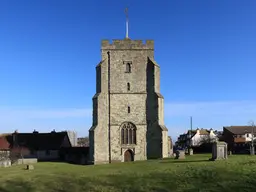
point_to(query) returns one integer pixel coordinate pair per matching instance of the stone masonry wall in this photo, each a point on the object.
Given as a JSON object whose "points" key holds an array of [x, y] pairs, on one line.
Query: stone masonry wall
{"points": [[165, 146], [140, 98], [156, 136], [121, 97], [117, 150]]}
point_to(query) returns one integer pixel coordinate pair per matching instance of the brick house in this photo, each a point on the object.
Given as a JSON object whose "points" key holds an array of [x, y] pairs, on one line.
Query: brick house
{"points": [[4, 148], [238, 138], [43, 146]]}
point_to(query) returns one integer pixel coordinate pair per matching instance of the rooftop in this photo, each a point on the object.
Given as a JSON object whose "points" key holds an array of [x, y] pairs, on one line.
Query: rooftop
{"points": [[240, 130], [127, 44]]}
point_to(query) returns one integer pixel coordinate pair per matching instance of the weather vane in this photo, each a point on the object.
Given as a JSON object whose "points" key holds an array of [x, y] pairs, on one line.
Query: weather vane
{"points": [[127, 26]]}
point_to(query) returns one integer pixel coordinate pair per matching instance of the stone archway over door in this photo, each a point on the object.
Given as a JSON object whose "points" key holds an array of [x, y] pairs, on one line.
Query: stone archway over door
{"points": [[128, 156]]}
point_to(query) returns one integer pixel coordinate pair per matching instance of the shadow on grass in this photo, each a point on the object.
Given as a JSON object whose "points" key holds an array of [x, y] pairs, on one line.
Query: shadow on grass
{"points": [[206, 180], [164, 182], [184, 161], [16, 186]]}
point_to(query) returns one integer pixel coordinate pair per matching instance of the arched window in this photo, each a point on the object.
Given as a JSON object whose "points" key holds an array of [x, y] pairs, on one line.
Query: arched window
{"points": [[129, 109], [128, 68], [128, 133], [128, 87]]}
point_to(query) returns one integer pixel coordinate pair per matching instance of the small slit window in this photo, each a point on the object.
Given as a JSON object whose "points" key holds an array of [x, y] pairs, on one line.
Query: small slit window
{"points": [[128, 86], [129, 109], [128, 66]]}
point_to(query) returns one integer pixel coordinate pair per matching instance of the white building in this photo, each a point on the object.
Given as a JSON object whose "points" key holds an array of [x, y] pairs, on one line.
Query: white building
{"points": [[196, 137], [201, 136]]}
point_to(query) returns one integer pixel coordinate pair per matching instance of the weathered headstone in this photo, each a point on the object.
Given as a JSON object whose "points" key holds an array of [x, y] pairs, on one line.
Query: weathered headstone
{"points": [[219, 151], [190, 151], [180, 154], [252, 150], [30, 167]]}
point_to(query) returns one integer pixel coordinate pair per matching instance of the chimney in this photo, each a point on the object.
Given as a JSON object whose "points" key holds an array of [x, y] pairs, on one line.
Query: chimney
{"points": [[35, 131], [198, 130], [15, 138], [53, 131]]}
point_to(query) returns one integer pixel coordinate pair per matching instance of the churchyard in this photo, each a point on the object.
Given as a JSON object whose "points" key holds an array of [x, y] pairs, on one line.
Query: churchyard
{"points": [[194, 173]]}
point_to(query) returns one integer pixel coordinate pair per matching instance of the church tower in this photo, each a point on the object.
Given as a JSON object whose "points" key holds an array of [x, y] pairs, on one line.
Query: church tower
{"points": [[128, 116]]}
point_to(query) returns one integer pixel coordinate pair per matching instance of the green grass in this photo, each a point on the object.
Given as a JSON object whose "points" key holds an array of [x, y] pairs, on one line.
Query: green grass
{"points": [[196, 173]]}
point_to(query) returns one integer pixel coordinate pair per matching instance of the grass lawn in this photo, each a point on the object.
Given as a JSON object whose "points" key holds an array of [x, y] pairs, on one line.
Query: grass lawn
{"points": [[196, 173]]}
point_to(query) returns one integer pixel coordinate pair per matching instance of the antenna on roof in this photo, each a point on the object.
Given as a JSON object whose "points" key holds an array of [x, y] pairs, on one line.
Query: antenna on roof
{"points": [[127, 23], [191, 125]]}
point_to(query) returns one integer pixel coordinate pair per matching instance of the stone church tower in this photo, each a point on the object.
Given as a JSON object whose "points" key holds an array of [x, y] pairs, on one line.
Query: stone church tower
{"points": [[128, 115]]}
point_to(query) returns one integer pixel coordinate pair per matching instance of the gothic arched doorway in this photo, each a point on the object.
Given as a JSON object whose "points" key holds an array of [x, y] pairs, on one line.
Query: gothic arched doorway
{"points": [[128, 156]]}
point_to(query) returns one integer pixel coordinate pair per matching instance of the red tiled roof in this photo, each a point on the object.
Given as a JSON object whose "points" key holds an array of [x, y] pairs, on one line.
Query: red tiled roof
{"points": [[240, 130], [4, 144], [36, 141], [201, 132]]}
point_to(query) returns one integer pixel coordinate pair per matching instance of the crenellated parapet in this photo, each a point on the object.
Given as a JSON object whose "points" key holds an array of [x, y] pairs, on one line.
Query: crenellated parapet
{"points": [[127, 44]]}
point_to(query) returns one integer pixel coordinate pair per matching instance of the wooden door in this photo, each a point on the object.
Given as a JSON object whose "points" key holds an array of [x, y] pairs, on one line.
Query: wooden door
{"points": [[128, 156]]}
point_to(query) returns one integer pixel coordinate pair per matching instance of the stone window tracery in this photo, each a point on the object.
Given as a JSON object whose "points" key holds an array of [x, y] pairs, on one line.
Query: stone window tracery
{"points": [[128, 133]]}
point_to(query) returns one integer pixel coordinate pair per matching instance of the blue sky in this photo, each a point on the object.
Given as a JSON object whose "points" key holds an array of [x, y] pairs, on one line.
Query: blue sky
{"points": [[49, 50]]}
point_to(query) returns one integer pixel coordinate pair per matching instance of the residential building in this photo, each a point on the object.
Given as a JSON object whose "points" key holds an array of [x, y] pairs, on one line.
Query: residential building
{"points": [[239, 138], [43, 146], [4, 148], [196, 137], [76, 155]]}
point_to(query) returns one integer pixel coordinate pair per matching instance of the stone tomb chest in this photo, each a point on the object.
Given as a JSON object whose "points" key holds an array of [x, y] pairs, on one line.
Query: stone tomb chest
{"points": [[219, 151], [180, 154]]}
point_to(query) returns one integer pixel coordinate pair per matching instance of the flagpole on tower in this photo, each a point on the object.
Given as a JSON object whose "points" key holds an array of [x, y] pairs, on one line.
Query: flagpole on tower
{"points": [[127, 23]]}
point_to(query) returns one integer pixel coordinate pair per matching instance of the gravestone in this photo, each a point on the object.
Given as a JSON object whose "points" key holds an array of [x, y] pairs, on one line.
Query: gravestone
{"points": [[252, 150], [30, 167], [180, 154], [190, 151], [219, 151]]}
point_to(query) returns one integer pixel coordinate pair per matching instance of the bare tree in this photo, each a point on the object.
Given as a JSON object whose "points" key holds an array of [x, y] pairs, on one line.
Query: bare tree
{"points": [[207, 140], [83, 141], [17, 153], [4, 155]]}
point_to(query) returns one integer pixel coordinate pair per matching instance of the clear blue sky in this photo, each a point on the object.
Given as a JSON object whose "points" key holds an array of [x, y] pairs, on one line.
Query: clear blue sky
{"points": [[49, 50]]}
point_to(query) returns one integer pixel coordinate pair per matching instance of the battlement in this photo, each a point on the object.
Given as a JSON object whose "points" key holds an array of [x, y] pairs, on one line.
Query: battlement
{"points": [[127, 44]]}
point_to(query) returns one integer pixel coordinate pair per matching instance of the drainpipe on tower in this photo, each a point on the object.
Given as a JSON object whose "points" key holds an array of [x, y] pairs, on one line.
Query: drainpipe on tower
{"points": [[109, 135]]}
